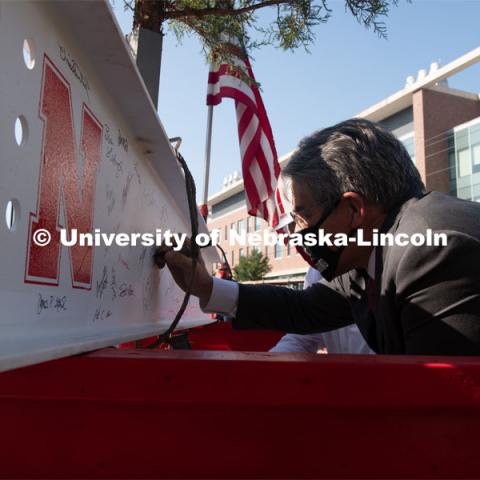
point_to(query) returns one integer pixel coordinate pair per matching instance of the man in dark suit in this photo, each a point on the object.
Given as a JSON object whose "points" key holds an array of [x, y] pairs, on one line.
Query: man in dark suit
{"points": [[404, 298]]}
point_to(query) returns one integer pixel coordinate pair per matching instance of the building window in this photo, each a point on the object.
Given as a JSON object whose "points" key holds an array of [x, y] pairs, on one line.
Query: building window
{"points": [[240, 226], [258, 223], [250, 224], [452, 163], [277, 252], [233, 257], [266, 251], [476, 158], [464, 163], [240, 253], [409, 144], [464, 160]]}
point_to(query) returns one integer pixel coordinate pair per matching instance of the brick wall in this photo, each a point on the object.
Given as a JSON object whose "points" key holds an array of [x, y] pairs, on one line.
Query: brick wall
{"points": [[286, 264]]}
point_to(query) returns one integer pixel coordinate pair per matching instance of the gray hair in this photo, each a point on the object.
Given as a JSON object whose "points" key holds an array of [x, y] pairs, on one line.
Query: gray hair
{"points": [[355, 156]]}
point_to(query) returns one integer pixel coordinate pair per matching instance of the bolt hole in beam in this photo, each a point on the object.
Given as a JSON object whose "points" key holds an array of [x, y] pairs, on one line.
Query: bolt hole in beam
{"points": [[29, 53], [12, 214], [21, 130]]}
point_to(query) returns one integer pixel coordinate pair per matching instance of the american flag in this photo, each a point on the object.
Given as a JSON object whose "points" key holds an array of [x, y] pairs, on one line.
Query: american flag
{"points": [[260, 166]]}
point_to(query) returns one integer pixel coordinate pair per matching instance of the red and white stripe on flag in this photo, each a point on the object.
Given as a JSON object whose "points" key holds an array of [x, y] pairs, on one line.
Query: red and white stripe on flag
{"points": [[260, 166]]}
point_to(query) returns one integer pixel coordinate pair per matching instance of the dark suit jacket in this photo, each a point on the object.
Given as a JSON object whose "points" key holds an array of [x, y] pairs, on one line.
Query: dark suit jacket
{"points": [[427, 299]]}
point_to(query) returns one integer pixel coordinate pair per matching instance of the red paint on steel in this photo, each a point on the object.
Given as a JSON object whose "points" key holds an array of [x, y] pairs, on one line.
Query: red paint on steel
{"points": [[204, 211], [221, 336], [61, 183], [151, 414]]}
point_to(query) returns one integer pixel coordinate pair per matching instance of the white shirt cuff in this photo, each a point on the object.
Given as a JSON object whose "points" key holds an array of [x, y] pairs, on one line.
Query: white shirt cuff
{"points": [[224, 297]]}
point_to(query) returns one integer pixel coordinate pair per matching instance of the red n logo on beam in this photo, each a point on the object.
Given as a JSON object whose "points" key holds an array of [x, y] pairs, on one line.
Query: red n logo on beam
{"points": [[60, 183]]}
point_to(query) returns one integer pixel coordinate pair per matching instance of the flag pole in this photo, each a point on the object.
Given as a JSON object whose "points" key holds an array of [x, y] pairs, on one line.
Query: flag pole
{"points": [[208, 147]]}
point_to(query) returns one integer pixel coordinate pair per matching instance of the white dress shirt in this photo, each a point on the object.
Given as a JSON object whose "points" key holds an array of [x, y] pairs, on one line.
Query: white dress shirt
{"points": [[342, 340]]}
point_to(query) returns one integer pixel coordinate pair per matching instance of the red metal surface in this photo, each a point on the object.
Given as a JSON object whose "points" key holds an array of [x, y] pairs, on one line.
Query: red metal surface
{"points": [[221, 336], [153, 414], [204, 210], [218, 336]]}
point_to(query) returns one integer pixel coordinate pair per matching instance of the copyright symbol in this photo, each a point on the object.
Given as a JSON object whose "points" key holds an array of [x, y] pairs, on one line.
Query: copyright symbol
{"points": [[42, 237]]}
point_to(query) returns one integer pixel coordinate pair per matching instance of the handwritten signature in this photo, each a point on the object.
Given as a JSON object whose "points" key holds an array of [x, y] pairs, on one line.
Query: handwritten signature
{"points": [[126, 188], [110, 200], [126, 290], [101, 314], [59, 304], [74, 68], [122, 141], [103, 283], [110, 153], [123, 290]]}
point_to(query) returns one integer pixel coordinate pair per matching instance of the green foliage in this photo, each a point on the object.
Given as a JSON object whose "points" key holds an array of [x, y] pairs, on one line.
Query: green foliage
{"points": [[291, 26], [252, 267]]}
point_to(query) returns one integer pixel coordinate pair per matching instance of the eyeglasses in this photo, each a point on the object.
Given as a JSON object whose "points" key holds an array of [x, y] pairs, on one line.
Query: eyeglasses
{"points": [[297, 220], [303, 224]]}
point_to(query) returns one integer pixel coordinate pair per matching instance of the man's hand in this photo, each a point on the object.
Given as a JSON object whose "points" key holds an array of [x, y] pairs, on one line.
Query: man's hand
{"points": [[180, 266]]}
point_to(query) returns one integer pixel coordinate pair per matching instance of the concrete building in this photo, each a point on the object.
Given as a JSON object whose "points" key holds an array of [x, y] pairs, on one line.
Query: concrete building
{"points": [[439, 126]]}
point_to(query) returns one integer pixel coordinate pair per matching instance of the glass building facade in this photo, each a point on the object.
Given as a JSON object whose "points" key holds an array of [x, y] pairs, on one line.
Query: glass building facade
{"points": [[464, 161], [409, 143], [401, 124]]}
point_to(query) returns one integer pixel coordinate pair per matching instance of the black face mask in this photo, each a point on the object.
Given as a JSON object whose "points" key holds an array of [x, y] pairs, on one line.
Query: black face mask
{"points": [[323, 259]]}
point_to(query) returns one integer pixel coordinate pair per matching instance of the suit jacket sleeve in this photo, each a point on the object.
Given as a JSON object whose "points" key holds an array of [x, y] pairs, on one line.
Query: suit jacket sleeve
{"points": [[319, 308], [438, 296]]}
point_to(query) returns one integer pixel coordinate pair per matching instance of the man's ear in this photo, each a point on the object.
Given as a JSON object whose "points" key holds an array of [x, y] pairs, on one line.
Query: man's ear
{"points": [[356, 205]]}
